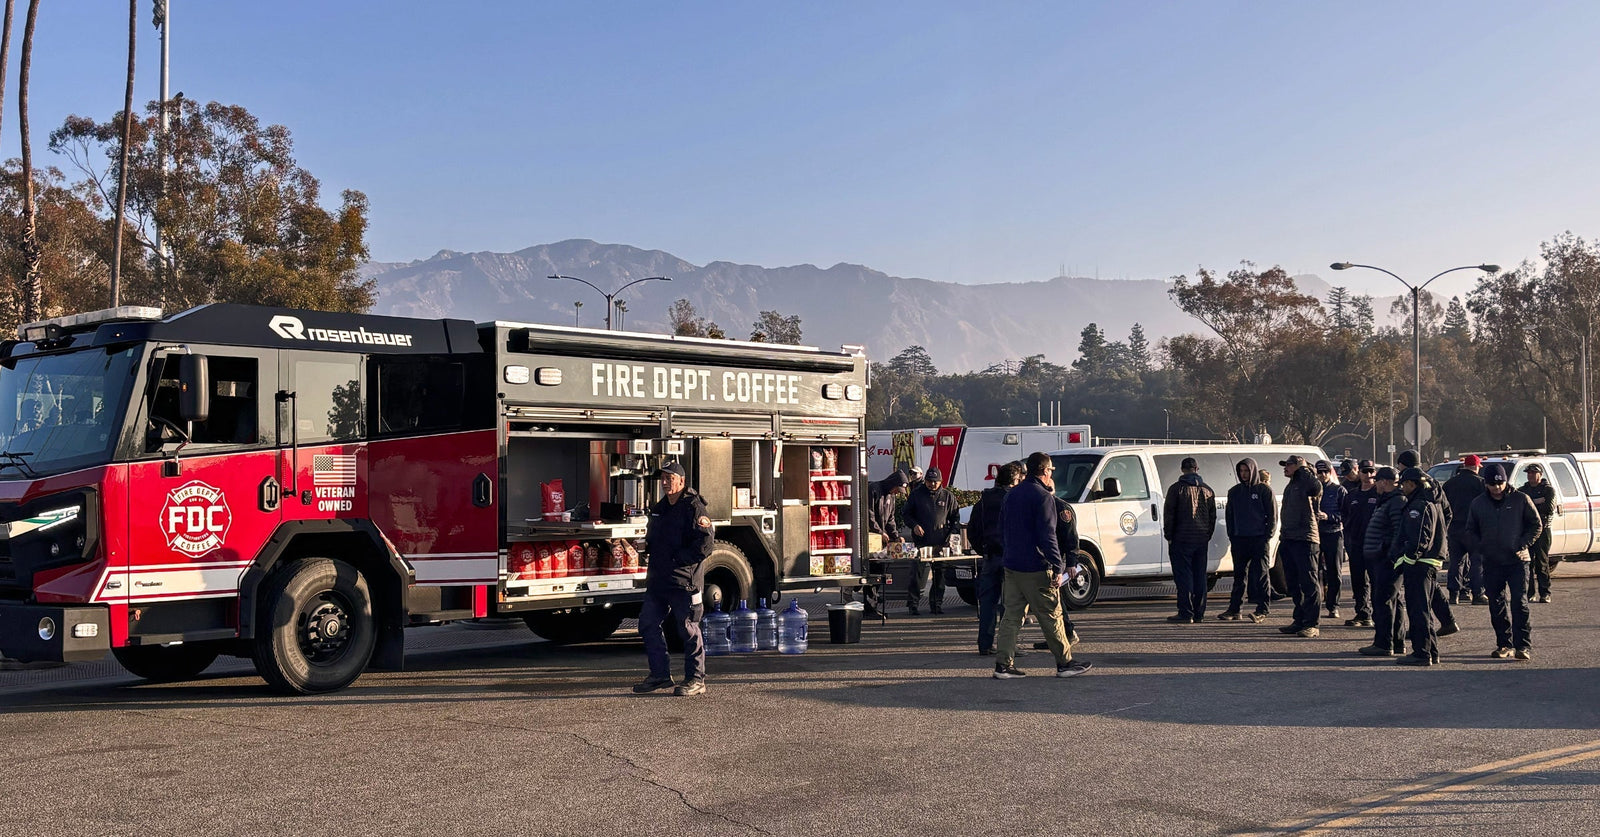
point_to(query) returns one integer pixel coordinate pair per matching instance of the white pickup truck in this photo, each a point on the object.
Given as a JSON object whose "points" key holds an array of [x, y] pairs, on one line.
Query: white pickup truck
{"points": [[1575, 529]]}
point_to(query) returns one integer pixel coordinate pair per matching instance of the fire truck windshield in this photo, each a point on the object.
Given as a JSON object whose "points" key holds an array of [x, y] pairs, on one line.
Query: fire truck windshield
{"points": [[62, 412]]}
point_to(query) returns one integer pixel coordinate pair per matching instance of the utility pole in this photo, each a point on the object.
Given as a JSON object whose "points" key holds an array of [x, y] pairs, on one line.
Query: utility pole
{"points": [[163, 22]]}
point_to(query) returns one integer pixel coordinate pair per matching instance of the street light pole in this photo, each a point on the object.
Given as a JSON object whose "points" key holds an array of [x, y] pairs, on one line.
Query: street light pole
{"points": [[577, 305], [611, 298], [1416, 330]]}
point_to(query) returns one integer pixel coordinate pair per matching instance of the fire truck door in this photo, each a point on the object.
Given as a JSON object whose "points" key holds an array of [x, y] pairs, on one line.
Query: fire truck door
{"points": [[198, 519]]}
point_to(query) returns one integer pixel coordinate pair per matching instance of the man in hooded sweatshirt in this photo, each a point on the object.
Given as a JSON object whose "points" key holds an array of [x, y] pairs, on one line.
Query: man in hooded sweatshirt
{"points": [[1191, 518], [1299, 545], [1250, 519], [1501, 527]]}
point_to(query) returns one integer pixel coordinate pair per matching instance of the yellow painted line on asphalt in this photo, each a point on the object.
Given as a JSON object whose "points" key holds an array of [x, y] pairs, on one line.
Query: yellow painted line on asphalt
{"points": [[1398, 800]]}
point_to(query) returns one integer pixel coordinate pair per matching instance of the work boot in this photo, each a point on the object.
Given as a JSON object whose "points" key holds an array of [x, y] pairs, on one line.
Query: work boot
{"points": [[1308, 632], [1480, 599], [1291, 628], [690, 688], [1544, 598], [1358, 622], [1258, 617], [1228, 616], [1500, 653], [1374, 651], [1414, 660], [652, 684], [1447, 629], [1180, 619], [1333, 613], [1523, 654]]}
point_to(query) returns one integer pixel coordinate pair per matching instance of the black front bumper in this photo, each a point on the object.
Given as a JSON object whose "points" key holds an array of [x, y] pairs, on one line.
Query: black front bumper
{"points": [[54, 633]]}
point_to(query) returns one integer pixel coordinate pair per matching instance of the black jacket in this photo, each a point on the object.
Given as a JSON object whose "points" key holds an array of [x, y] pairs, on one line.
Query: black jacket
{"points": [[1461, 490], [1301, 496], [1421, 536], [1543, 496], [676, 541], [935, 512], [1191, 511], [1500, 531], [1384, 526], [1252, 512], [880, 512], [1067, 533], [1028, 527], [983, 527]]}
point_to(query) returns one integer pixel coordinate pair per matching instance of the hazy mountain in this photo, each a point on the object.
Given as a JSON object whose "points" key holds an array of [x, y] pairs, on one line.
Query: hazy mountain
{"points": [[964, 327]]}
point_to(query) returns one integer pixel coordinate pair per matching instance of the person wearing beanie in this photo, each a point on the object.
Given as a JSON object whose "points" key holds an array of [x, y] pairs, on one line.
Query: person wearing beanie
{"points": [[1543, 496], [1441, 601], [1416, 556], [983, 530], [1298, 545], [1330, 532], [1501, 527], [881, 496], [931, 513], [1388, 620], [1465, 577]]}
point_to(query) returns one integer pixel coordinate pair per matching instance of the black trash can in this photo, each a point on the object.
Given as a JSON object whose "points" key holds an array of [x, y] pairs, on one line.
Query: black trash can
{"points": [[844, 624]]}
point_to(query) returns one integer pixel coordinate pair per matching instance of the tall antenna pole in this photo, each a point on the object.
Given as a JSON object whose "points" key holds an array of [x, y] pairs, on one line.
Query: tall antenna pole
{"points": [[163, 21]]}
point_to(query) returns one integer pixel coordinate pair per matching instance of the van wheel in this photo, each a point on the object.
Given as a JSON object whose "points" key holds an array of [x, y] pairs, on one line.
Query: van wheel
{"points": [[317, 631], [574, 626], [968, 594], [728, 577], [1081, 592], [163, 664]]}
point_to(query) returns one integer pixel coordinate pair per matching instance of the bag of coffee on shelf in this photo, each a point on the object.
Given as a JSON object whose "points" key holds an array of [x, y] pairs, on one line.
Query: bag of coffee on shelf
{"points": [[555, 499]]}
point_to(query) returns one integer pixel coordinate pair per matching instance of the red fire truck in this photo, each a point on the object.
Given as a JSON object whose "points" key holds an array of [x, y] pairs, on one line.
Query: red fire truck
{"points": [[298, 487]]}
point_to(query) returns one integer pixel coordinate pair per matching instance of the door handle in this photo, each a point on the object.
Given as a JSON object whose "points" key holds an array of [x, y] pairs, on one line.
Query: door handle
{"points": [[1154, 514], [482, 491], [271, 494]]}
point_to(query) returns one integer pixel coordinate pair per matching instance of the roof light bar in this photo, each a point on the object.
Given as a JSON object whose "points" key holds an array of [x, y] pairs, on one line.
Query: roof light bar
{"points": [[73, 322]]}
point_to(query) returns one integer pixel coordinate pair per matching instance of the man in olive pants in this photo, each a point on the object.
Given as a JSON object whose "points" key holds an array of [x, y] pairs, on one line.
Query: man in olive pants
{"points": [[1034, 570]]}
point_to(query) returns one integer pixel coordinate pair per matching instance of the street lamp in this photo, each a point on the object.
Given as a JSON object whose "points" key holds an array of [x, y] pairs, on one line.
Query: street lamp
{"points": [[576, 306], [611, 298], [1416, 330]]}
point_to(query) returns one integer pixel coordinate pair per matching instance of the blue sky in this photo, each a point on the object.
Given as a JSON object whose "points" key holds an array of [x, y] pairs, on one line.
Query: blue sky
{"points": [[969, 142]]}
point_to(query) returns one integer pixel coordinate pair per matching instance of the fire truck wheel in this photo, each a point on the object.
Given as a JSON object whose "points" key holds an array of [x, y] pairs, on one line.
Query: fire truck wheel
{"points": [[574, 626], [728, 577], [166, 663], [968, 594], [319, 631]]}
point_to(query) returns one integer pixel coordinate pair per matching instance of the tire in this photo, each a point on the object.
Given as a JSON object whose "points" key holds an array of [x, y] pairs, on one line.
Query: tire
{"points": [[728, 577], [968, 593], [164, 664], [576, 625], [1211, 581], [1079, 594], [318, 631]]}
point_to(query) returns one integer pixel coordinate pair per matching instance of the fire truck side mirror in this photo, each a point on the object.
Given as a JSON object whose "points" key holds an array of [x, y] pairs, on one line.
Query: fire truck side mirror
{"points": [[194, 388]]}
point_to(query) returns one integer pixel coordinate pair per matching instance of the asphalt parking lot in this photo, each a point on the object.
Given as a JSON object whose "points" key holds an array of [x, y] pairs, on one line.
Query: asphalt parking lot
{"points": [[1220, 728]]}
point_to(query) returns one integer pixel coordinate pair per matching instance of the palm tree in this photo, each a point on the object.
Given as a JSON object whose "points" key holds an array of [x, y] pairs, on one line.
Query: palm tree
{"points": [[5, 52], [32, 288], [122, 167]]}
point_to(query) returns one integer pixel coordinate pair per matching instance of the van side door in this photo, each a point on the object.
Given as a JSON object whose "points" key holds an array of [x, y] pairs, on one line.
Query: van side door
{"points": [[1128, 524], [1571, 523]]}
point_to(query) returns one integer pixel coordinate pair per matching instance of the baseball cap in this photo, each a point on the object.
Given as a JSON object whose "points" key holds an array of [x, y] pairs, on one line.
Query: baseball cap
{"points": [[1295, 458], [1324, 466], [1533, 468], [934, 475], [1494, 474], [1347, 466], [916, 473], [1385, 473], [672, 468], [1368, 466], [1412, 474], [1472, 460]]}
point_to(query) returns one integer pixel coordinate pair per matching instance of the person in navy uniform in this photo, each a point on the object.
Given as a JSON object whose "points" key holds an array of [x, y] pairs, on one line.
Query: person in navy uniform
{"points": [[677, 541], [1543, 496]]}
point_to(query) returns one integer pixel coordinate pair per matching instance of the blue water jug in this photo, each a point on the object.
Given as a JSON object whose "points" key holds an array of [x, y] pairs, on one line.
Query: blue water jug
{"points": [[714, 629], [766, 628], [743, 632], [792, 629]]}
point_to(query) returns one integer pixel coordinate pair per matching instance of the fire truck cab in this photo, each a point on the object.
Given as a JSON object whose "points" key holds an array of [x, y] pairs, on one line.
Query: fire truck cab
{"points": [[298, 487]]}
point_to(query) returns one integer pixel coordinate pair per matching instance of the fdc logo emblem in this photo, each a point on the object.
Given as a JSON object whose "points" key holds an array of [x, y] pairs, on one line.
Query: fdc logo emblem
{"points": [[195, 518]]}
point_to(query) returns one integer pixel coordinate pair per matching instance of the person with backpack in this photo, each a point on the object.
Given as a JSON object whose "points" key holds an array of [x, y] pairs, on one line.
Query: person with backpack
{"points": [[983, 531]]}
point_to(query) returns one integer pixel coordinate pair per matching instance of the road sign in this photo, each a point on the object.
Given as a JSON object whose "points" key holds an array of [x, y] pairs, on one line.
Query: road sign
{"points": [[1411, 430]]}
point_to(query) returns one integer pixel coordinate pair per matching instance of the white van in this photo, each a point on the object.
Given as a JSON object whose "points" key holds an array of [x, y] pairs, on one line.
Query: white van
{"points": [[1118, 494]]}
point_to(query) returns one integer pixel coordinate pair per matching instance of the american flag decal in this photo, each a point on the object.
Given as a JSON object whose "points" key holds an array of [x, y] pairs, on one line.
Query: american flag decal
{"points": [[330, 469]]}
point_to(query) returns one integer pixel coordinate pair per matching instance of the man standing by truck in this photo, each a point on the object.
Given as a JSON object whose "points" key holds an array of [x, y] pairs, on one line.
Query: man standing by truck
{"points": [[931, 513], [1190, 520], [1251, 517], [881, 496], [677, 540], [984, 532], [1465, 577], [1298, 545], [1501, 527], [1543, 496]]}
